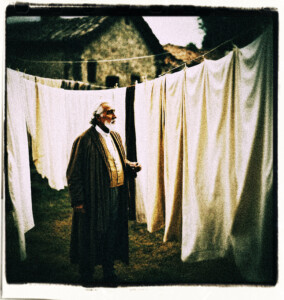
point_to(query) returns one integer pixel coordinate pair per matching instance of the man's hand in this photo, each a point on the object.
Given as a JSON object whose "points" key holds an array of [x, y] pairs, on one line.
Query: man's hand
{"points": [[79, 209], [135, 166]]}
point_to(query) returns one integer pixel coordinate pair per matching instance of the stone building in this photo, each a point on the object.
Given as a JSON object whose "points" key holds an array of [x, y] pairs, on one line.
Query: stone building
{"points": [[88, 49], [183, 55]]}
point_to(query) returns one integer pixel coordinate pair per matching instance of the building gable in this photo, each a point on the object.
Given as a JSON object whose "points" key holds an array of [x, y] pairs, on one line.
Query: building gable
{"points": [[88, 39]]}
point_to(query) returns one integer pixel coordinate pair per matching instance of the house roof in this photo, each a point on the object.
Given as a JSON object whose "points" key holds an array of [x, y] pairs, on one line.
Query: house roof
{"points": [[182, 54], [55, 29]]}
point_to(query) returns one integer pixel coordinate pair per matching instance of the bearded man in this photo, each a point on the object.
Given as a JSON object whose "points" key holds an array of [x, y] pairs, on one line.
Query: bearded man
{"points": [[97, 177]]}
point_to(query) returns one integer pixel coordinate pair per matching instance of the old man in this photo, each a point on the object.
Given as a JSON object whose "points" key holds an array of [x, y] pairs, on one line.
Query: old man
{"points": [[97, 176]]}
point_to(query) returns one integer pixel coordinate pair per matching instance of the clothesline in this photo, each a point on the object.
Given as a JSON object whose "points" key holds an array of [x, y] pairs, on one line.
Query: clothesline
{"points": [[125, 59], [206, 201], [93, 60], [141, 57], [202, 55]]}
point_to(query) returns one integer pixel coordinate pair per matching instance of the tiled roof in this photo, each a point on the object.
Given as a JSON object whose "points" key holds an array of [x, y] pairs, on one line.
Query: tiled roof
{"points": [[182, 54], [54, 29]]}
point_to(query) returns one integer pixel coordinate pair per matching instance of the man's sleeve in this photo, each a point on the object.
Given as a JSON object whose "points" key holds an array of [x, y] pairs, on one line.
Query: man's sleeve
{"points": [[75, 176]]}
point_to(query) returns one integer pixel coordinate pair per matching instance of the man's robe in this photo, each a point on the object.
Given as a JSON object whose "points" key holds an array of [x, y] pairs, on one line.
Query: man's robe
{"points": [[88, 176]]}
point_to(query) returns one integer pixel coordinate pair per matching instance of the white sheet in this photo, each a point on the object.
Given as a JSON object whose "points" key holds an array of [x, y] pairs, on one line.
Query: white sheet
{"points": [[215, 122], [252, 233], [141, 119], [155, 153], [209, 189], [118, 96], [80, 106], [54, 118], [173, 148], [18, 158], [62, 116], [228, 161], [51, 138], [218, 167]]}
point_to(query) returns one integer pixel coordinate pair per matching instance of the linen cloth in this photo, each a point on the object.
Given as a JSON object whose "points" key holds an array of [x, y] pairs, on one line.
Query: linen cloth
{"points": [[141, 103], [62, 116], [217, 137], [218, 180], [209, 186], [51, 138], [54, 118], [80, 106], [118, 101], [155, 148], [173, 148], [29, 97], [253, 228], [149, 126], [18, 158], [228, 160]]}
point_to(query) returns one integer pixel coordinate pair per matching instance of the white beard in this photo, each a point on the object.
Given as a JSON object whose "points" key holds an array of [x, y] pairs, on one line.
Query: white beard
{"points": [[110, 126]]}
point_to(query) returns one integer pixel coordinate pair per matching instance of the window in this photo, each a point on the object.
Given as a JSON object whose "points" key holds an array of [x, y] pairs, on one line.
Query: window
{"points": [[77, 71], [92, 71], [66, 70], [111, 81]]}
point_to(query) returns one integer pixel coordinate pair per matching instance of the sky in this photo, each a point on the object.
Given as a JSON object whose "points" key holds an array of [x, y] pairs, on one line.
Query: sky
{"points": [[176, 30], [169, 30]]}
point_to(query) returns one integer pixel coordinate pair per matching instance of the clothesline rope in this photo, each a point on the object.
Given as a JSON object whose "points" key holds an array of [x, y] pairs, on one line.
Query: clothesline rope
{"points": [[210, 51], [200, 56], [129, 58], [95, 61], [141, 57]]}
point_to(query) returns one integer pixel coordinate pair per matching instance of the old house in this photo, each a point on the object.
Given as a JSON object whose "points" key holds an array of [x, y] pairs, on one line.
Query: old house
{"points": [[88, 49], [181, 55]]}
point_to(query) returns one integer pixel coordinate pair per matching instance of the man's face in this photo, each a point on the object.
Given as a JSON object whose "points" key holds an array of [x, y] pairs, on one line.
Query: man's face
{"points": [[107, 117]]}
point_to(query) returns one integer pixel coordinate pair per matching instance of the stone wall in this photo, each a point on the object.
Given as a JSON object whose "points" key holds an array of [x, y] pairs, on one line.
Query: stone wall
{"points": [[30, 58], [120, 40]]}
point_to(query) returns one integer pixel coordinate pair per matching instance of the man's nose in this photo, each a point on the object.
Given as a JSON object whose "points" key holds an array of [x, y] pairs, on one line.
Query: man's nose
{"points": [[113, 116]]}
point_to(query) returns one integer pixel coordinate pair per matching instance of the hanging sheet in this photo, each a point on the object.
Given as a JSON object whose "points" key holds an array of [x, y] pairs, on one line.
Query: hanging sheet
{"points": [[18, 158], [118, 96], [149, 101], [62, 115], [54, 118], [173, 154], [209, 186], [141, 108], [204, 139], [228, 160], [252, 233], [51, 138], [155, 149], [56, 83], [80, 106]]}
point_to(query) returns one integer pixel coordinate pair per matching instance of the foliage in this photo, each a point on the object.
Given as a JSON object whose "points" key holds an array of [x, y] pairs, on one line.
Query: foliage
{"points": [[243, 26], [191, 47]]}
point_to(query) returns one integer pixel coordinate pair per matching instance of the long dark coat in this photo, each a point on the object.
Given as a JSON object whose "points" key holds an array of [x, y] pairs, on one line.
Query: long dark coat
{"points": [[88, 176]]}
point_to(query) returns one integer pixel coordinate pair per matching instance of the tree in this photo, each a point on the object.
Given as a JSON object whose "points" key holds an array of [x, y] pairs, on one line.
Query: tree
{"points": [[191, 47], [242, 26]]}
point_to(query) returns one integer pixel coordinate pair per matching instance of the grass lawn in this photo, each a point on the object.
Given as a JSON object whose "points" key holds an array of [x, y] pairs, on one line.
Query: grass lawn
{"points": [[152, 262]]}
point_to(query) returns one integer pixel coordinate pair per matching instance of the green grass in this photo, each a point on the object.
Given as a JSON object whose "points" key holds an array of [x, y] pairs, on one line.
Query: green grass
{"points": [[152, 262]]}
